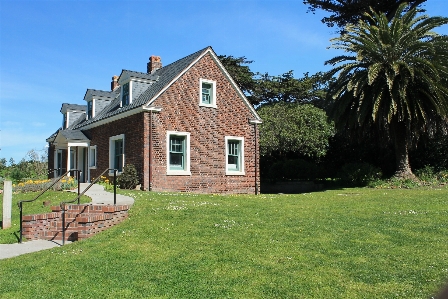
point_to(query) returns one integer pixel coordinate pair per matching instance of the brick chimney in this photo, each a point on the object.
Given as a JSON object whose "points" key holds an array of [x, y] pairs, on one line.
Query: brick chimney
{"points": [[154, 64], [114, 83]]}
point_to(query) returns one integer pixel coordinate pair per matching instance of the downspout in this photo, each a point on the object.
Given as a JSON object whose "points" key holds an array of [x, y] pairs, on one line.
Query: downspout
{"points": [[255, 122], [151, 109], [150, 152]]}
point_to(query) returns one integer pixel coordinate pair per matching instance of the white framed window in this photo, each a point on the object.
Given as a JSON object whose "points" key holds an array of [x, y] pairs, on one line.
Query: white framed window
{"points": [[91, 109], [177, 153], [116, 153], [126, 93], [207, 93], [92, 157], [234, 155]]}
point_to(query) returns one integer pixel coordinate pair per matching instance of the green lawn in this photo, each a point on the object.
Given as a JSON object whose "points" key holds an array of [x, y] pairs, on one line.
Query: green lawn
{"points": [[349, 243], [10, 235]]}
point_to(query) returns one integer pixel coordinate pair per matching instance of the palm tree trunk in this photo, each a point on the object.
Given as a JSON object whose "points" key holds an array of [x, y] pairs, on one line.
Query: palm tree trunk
{"points": [[403, 168]]}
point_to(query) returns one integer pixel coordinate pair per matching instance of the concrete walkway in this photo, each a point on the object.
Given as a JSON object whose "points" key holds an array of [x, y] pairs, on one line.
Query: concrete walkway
{"points": [[98, 196]]}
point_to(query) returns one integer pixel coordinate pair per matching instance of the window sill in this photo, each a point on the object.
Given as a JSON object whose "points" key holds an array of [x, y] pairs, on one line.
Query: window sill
{"points": [[92, 167], [228, 172], [178, 172], [208, 105]]}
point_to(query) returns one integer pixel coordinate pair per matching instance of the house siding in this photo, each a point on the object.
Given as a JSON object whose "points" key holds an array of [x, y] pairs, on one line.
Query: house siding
{"points": [[181, 112], [134, 143], [208, 128]]}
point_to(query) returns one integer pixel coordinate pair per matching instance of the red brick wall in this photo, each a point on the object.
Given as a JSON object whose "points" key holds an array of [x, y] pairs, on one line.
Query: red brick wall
{"points": [[136, 131], [208, 128], [81, 222]]}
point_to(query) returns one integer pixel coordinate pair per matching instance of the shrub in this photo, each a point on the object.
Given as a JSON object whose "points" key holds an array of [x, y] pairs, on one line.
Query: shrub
{"points": [[129, 178], [359, 174], [426, 174]]}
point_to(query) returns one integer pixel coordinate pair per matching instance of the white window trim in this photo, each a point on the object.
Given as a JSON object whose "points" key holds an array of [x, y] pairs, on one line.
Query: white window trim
{"points": [[213, 83], [112, 152], [186, 171], [94, 149], [241, 141], [130, 93]]}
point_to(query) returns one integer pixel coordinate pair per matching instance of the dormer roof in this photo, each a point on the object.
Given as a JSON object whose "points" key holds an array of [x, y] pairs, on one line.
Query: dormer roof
{"points": [[72, 107], [91, 93]]}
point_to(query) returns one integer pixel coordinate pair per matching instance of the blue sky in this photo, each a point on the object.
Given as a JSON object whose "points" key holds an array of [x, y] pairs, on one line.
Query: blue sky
{"points": [[52, 51]]}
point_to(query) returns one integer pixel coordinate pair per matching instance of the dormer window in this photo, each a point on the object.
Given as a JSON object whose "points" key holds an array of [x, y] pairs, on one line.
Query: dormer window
{"points": [[90, 113], [64, 121], [125, 94], [207, 94]]}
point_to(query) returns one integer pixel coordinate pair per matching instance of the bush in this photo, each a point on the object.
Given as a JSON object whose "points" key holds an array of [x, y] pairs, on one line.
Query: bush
{"points": [[129, 178], [359, 174], [426, 174]]}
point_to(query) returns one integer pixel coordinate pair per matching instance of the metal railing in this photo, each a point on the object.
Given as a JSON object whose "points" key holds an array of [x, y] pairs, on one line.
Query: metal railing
{"points": [[64, 203], [20, 203]]}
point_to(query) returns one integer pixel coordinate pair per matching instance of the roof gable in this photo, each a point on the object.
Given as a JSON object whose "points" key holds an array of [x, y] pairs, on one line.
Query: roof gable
{"points": [[160, 80]]}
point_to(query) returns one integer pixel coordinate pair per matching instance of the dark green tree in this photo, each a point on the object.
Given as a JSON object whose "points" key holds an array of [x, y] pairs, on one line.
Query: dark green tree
{"points": [[345, 12], [262, 89], [288, 128], [395, 80]]}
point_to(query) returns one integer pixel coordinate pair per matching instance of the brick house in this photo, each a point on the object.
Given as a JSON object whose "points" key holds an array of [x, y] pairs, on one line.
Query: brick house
{"points": [[185, 127]]}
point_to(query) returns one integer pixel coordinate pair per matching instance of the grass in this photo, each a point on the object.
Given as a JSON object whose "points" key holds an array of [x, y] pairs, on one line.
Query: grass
{"points": [[9, 236], [348, 243]]}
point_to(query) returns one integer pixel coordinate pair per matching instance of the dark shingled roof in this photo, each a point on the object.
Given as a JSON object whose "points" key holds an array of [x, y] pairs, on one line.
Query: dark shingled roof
{"points": [[162, 77], [102, 93], [73, 107], [74, 135], [146, 76]]}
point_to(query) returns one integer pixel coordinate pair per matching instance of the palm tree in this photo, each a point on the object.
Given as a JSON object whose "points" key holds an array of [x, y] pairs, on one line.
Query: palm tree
{"points": [[395, 80]]}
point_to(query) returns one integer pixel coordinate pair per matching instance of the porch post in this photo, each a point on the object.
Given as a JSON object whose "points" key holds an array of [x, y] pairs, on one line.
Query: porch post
{"points": [[68, 159]]}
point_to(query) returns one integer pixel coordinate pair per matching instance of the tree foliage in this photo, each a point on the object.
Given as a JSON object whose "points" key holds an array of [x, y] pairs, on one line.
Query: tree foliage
{"points": [[262, 88], [33, 166], [294, 128], [344, 12], [395, 81]]}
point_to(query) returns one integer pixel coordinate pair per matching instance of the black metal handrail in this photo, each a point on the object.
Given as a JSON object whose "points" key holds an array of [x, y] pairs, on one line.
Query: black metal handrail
{"points": [[20, 203], [62, 204]]}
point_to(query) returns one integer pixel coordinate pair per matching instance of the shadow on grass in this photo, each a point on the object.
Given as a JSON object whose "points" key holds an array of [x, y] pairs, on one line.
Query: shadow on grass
{"points": [[298, 187]]}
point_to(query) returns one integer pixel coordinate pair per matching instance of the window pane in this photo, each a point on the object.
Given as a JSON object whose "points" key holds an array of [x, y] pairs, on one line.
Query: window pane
{"points": [[233, 157], [206, 93], [125, 96], [118, 161], [89, 109], [177, 152]]}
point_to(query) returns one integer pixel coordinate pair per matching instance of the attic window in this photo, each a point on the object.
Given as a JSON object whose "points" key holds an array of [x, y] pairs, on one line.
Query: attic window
{"points": [[125, 95], [207, 93]]}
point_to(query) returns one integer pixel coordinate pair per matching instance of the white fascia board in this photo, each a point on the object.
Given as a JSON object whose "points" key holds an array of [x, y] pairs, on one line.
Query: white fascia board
{"points": [[114, 118], [80, 144]]}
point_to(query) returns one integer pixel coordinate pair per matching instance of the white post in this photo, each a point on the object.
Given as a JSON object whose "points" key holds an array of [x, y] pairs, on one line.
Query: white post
{"points": [[68, 159], [7, 204]]}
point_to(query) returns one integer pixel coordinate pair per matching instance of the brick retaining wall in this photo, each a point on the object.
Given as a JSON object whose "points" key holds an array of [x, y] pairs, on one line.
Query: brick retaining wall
{"points": [[81, 222]]}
